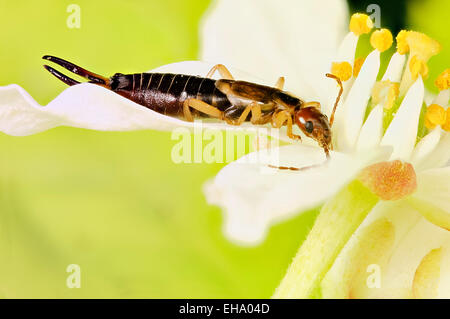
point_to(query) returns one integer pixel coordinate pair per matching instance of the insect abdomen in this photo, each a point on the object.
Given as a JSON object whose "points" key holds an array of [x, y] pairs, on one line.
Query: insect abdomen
{"points": [[166, 92]]}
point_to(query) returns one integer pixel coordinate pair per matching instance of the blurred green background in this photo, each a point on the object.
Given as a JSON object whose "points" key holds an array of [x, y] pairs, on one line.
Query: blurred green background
{"points": [[114, 203]]}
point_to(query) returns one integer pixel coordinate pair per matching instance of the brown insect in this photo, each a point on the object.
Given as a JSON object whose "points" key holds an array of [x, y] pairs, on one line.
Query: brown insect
{"points": [[226, 99]]}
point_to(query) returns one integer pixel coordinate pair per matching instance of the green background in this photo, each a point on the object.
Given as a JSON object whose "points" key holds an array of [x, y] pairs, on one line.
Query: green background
{"points": [[114, 202]]}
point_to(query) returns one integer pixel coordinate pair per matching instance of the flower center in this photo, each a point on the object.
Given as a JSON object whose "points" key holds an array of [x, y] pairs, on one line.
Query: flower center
{"points": [[390, 180]]}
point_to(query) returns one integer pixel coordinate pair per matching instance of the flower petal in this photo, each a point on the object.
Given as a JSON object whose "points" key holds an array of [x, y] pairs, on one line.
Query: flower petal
{"points": [[354, 108], [345, 53], [372, 130], [440, 156], [404, 266], [395, 68], [295, 39], [93, 107], [254, 196], [397, 267], [432, 198], [402, 132], [425, 146]]}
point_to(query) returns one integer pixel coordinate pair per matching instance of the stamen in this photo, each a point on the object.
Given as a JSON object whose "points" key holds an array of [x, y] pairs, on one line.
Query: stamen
{"points": [[443, 80], [422, 45], [446, 125], [360, 23], [390, 180], [343, 70], [385, 92], [402, 45], [381, 39], [357, 66], [418, 66], [421, 48], [435, 115]]}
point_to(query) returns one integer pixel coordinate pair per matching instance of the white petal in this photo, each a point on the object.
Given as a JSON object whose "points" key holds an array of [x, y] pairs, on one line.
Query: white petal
{"points": [[349, 273], [442, 98], [201, 68], [293, 38], [395, 68], [347, 48], [425, 146], [346, 52], [372, 130], [433, 190], [440, 156], [397, 267], [254, 196], [355, 105], [402, 132], [409, 252], [94, 107]]}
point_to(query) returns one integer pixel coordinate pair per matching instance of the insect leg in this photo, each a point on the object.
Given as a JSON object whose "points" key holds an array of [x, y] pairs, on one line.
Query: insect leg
{"points": [[280, 83], [278, 120], [200, 106], [223, 71], [255, 108]]}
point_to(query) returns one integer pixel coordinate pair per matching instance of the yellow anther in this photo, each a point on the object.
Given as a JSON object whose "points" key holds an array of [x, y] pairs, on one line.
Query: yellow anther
{"points": [[402, 45], [429, 125], [360, 23], [343, 70], [422, 45], [394, 91], [435, 115], [385, 92], [357, 66], [443, 80], [446, 125], [418, 66], [381, 39]]}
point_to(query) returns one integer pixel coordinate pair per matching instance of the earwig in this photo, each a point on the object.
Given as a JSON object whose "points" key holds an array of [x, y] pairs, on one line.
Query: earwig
{"points": [[226, 99]]}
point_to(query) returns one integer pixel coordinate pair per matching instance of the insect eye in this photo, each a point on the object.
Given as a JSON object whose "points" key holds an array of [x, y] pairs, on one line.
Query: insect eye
{"points": [[309, 126]]}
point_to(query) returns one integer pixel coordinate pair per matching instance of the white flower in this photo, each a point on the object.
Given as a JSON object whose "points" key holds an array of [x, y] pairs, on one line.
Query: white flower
{"points": [[262, 200], [270, 46], [300, 40]]}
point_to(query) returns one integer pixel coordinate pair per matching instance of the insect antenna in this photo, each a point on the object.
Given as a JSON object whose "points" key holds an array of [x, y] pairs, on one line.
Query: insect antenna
{"points": [[341, 90]]}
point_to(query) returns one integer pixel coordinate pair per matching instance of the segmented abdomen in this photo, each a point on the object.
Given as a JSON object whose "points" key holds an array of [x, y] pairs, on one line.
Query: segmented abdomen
{"points": [[166, 92]]}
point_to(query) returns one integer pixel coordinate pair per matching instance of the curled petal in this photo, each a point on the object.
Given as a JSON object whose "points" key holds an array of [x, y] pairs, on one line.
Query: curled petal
{"points": [[402, 132], [432, 198], [267, 39], [254, 196]]}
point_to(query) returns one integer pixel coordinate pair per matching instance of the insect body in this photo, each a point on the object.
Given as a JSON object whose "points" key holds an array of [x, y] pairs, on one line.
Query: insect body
{"points": [[226, 99]]}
